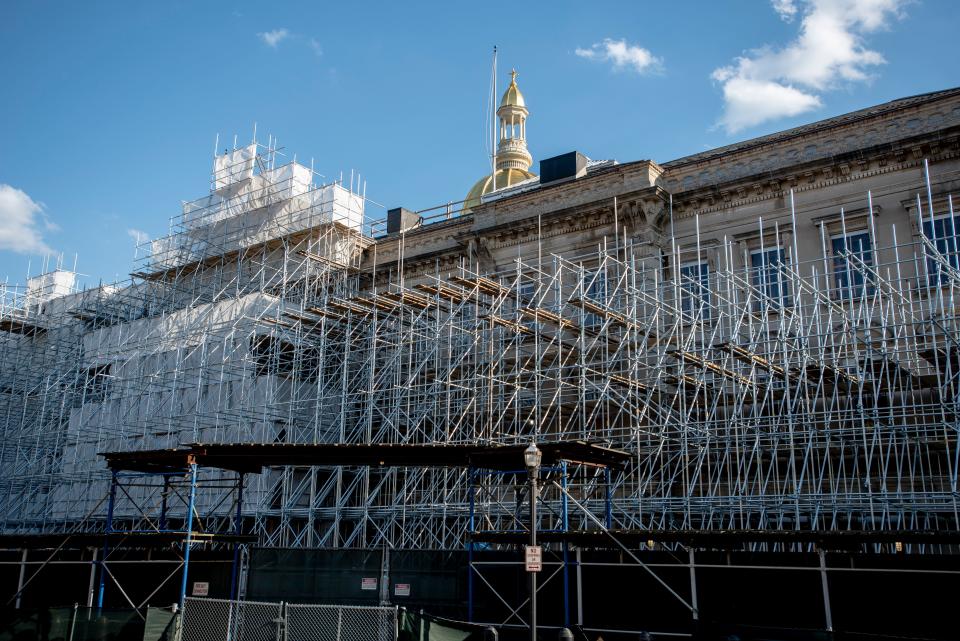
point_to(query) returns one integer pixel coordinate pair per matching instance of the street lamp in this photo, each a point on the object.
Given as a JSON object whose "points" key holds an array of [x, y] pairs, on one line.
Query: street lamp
{"points": [[532, 456]]}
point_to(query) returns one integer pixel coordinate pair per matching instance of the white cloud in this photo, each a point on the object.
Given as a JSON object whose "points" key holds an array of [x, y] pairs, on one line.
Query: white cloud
{"points": [[274, 37], [786, 9], [21, 222], [622, 54], [139, 237], [750, 102], [770, 83]]}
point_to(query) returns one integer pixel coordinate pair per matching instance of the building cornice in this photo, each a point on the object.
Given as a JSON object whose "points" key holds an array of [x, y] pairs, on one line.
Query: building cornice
{"points": [[865, 163], [932, 102], [851, 136]]}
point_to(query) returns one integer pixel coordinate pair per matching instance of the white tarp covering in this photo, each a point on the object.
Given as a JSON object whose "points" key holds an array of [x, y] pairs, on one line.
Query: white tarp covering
{"points": [[178, 330], [347, 208], [196, 210], [50, 285], [269, 205], [167, 251], [339, 205], [234, 166], [293, 179]]}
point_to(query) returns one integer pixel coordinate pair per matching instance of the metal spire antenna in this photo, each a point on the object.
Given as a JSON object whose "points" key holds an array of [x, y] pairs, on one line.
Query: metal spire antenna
{"points": [[493, 119]]}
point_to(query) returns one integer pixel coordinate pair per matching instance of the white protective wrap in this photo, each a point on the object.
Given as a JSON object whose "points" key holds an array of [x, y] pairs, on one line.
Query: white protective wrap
{"points": [[234, 166], [291, 179]]}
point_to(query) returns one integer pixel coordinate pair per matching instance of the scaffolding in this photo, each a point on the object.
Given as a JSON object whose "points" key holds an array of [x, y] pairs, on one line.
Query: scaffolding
{"points": [[812, 395]]}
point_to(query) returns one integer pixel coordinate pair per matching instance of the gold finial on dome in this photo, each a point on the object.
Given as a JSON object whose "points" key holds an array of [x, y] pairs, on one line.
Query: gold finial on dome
{"points": [[512, 96], [513, 159]]}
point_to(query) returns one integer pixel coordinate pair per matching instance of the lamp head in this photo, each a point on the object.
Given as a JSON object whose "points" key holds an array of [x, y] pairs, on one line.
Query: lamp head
{"points": [[532, 456]]}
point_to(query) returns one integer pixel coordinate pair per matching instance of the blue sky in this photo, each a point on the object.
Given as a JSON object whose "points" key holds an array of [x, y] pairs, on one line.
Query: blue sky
{"points": [[108, 111]]}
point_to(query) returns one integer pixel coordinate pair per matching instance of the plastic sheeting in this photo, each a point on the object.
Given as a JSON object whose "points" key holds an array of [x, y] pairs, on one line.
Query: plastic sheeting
{"points": [[234, 166], [293, 178], [51, 285], [413, 626], [160, 625], [273, 203], [325, 576], [347, 207], [72, 624], [196, 211]]}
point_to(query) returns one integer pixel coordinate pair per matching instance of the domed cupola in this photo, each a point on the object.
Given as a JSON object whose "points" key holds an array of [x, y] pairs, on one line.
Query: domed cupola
{"points": [[513, 158], [512, 151]]}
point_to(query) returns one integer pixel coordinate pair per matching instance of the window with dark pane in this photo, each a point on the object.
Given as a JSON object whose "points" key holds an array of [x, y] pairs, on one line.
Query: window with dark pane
{"points": [[852, 265], [942, 232], [769, 277], [695, 290], [594, 290]]}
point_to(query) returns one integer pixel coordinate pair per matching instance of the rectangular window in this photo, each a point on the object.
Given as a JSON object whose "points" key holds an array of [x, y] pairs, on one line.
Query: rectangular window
{"points": [[942, 232], [769, 277], [272, 356], [695, 290], [524, 298], [595, 286], [594, 290], [96, 384], [851, 255], [525, 292]]}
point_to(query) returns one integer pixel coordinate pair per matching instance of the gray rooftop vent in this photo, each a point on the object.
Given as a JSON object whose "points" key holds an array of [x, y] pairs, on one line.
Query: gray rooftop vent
{"points": [[569, 165], [400, 219]]}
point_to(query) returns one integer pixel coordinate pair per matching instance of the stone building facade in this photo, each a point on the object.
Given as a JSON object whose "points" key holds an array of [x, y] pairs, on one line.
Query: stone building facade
{"points": [[828, 165]]}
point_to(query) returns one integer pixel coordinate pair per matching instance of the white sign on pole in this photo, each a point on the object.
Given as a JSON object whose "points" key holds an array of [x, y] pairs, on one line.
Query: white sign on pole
{"points": [[368, 583], [201, 588], [401, 589], [534, 558]]}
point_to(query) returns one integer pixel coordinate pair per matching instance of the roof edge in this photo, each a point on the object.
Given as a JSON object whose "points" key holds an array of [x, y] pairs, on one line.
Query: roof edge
{"points": [[814, 127]]}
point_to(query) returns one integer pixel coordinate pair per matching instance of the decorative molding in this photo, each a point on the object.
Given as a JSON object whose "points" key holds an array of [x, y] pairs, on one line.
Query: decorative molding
{"points": [[697, 204], [848, 138]]}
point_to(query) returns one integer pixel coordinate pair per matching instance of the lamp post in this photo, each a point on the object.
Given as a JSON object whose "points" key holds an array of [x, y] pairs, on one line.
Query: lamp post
{"points": [[532, 456]]}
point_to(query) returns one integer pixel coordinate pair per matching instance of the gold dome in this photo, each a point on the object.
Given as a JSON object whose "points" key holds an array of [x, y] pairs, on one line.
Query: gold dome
{"points": [[505, 178], [513, 159], [512, 96]]}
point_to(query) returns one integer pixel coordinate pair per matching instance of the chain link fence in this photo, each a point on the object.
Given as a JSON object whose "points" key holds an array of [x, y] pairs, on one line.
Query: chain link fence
{"points": [[223, 620], [340, 623]]}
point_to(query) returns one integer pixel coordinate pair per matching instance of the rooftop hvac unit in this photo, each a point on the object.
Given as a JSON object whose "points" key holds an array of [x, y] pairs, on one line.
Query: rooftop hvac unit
{"points": [[571, 165]]}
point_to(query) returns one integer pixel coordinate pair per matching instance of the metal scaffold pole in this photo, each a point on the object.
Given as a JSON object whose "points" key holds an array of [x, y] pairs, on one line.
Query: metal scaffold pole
{"points": [[755, 388]]}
